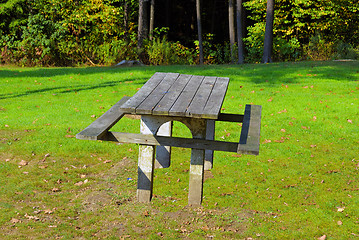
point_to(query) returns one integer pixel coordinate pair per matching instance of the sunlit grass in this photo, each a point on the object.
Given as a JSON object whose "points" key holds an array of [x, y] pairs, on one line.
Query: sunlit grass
{"points": [[304, 183]]}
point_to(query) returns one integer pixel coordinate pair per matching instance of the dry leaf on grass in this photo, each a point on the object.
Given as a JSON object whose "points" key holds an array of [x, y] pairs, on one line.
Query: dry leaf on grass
{"points": [[23, 163], [14, 220]]}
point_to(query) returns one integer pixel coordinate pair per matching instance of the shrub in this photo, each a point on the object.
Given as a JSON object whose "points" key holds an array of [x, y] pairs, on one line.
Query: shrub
{"points": [[318, 49], [345, 51], [160, 51]]}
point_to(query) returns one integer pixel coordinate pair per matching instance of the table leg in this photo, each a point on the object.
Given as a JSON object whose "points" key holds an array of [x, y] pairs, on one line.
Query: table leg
{"points": [[163, 153], [145, 173], [208, 157], [195, 191]]}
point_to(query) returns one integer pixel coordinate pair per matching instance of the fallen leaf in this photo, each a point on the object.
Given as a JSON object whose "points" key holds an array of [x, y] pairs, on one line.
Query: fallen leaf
{"points": [[267, 141], [340, 223], [23, 163], [349, 121], [341, 209], [55, 189], [282, 130], [32, 217], [14, 220], [322, 237], [79, 183], [48, 211], [146, 214]]}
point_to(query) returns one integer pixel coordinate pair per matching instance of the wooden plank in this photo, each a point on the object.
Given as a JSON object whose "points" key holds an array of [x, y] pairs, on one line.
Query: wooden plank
{"points": [[149, 139], [196, 107], [215, 100], [186, 96], [164, 106], [102, 124], [208, 154], [229, 117], [146, 157], [131, 105], [157, 94], [250, 134]]}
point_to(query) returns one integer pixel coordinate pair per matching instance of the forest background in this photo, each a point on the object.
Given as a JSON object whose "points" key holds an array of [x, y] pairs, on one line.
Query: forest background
{"points": [[104, 32]]}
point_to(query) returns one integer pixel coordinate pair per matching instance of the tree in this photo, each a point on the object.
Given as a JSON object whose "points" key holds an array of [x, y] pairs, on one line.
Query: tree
{"points": [[240, 31], [142, 22], [268, 35], [199, 28], [152, 17], [231, 28]]}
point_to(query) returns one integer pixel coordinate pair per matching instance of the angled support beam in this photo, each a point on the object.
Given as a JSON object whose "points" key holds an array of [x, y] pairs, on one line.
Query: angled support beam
{"points": [[97, 129]]}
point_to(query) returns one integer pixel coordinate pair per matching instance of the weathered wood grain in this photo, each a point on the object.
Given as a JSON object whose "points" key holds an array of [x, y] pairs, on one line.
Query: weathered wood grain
{"points": [[101, 125], [215, 100], [195, 109], [164, 106], [157, 94], [250, 134], [183, 101], [131, 105], [149, 139]]}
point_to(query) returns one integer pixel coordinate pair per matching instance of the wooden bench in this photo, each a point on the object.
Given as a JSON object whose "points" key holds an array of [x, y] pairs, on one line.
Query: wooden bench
{"points": [[193, 100]]}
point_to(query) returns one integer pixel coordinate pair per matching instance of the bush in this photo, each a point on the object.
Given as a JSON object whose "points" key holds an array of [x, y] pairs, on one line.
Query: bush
{"points": [[254, 42], [345, 51], [160, 51], [318, 49]]}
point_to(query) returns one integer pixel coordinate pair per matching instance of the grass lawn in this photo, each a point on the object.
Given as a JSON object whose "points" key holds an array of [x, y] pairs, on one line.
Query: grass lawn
{"points": [[303, 185]]}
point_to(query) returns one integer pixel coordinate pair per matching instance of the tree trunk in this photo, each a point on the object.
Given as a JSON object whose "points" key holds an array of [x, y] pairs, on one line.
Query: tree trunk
{"points": [[152, 18], [231, 28], [199, 28], [142, 22], [268, 35], [125, 18], [240, 31]]}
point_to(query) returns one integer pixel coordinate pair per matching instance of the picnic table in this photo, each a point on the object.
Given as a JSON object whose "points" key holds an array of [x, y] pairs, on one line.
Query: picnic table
{"points": [[195, 101]]}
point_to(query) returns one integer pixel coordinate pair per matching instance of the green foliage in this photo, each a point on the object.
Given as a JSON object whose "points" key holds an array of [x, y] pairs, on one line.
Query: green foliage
{"points": [[298, 24], [102, 32], [67, 32], [254, 42], [214, 53], [345, 51], [39, 41], [319, 49], [160, 51]]}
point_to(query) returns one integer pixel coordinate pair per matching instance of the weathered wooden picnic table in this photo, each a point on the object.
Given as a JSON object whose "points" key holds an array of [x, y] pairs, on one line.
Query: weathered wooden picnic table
{"points": [[195, 101]]}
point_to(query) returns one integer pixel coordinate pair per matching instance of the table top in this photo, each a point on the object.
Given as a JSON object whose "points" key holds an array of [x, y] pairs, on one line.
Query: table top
{"points": [[174, 94]]}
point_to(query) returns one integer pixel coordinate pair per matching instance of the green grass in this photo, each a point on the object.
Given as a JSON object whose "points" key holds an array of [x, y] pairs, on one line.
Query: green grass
{"points": [[303, 185]]}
